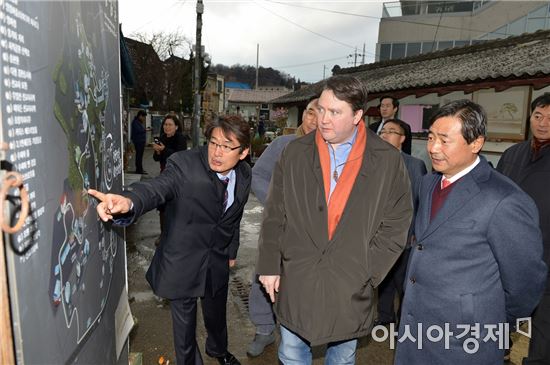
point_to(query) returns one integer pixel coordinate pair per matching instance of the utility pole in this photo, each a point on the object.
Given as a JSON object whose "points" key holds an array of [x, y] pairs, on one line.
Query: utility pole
{"points": [[363, 59], [324, 68], [355, 58], [197, 77], [257, 63]]}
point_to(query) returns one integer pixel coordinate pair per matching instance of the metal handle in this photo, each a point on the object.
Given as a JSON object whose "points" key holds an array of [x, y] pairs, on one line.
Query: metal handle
{"points": [[14, 180]]}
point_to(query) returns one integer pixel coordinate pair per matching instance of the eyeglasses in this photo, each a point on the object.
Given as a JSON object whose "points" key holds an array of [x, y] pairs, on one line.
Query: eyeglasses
{"points": [[224, 148], [391, 131]]}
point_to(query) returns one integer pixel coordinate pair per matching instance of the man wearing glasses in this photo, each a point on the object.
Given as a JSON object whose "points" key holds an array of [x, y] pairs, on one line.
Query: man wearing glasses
{"points": [[528, 165], [204, 191], [395, 133]]}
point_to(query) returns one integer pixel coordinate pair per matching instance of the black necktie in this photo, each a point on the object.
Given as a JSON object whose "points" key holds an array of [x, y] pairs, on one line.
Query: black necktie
{"points": [[225, 182]]}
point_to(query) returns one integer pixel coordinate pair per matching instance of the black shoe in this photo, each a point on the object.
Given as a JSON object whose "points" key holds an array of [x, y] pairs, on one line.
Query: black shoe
{"points": [[228, 359]]}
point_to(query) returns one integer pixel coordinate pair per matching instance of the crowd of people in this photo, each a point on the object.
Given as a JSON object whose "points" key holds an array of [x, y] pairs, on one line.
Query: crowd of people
{"points": [[347, 210]]}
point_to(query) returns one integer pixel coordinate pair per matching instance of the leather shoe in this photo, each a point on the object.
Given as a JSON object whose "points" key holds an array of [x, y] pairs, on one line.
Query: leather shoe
{"points": [[228, 359]]}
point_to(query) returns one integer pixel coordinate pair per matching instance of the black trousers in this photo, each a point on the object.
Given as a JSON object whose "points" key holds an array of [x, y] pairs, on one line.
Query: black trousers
{"points": [[539, 347], [140, 148], [184, 322], [391, 284]]}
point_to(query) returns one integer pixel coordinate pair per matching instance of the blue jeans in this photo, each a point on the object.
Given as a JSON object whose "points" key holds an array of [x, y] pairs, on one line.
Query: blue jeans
{"points": [[293, 350]]}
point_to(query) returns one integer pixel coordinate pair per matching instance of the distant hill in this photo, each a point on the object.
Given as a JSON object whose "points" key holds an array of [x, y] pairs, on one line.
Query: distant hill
{"points": [[247, 74]]}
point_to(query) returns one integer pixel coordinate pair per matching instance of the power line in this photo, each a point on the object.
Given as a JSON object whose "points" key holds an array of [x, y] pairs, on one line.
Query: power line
{"points": [[304, 28], [378, 18], [154, 19], [313, 63]]}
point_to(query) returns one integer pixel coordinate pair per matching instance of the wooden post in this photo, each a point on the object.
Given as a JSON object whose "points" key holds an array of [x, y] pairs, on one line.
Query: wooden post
{"points": [[6, 335]]}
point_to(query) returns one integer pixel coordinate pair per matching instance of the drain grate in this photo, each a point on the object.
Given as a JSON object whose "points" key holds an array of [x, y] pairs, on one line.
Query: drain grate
{"points": [[240, 291]]}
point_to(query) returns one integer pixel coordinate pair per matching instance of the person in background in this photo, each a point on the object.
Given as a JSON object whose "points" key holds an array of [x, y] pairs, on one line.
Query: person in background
{"points": [[528, 165], [395, 133], [139, 137], [388, 108], [205, 190], [171, 140], [477, 261], [319, 269], [259, 305]]}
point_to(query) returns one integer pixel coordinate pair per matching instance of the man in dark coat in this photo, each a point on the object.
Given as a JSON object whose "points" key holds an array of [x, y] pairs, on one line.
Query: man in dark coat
{"points": [[528, 164], [335, 221], [395, 133], [204, 191], [139, 137], [476, 264], [388, 108]]}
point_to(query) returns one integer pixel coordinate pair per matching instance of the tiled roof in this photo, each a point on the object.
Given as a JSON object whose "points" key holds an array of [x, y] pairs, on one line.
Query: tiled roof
{"points": [[254, 96], [518, 57]]}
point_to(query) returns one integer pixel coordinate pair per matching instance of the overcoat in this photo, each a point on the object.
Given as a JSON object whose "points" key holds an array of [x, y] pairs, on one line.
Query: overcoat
{"points": [[326, 287], [198, 236], [479, 261]]}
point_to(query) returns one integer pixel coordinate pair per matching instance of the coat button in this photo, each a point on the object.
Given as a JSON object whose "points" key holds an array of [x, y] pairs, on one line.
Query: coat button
{"points": [[420, 247], [413, 280]]}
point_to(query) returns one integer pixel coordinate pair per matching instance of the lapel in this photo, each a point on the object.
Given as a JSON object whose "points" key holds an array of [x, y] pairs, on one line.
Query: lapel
{"points": [[527, 166], [466, 189], [240, 188]]}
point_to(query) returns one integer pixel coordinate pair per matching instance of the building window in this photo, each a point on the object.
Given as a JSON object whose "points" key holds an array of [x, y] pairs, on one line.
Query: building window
{"points": [[398, 50], [462, 43], [385, 51], [264, 106], [413, 49], [220, 86], [427, 47], [445, 45]]}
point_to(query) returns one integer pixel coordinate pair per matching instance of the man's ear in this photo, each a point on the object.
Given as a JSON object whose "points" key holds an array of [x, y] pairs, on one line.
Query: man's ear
{"points": [[244, 153], [477, 144], [357, 116]]}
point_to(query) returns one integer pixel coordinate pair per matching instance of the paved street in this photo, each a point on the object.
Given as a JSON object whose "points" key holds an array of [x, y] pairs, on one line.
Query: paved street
{"points": [[153, 333]]}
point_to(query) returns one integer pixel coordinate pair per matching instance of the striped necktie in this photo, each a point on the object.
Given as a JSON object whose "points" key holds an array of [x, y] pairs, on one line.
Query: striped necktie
{"points": [[225, 182]]}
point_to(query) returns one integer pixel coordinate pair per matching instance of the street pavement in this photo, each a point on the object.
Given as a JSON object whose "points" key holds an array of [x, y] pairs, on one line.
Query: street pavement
{"points": [[152, 336]]}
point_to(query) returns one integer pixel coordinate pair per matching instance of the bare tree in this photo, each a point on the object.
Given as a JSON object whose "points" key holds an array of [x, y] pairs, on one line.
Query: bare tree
{"points": [[167, 44]]}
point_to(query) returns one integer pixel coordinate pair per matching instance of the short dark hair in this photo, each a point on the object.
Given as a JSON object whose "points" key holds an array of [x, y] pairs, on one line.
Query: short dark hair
{"points": [[176, 122], [403, 125], [541, 101], [349, 89], [231, 124], [394, 101], [472, 116], [142, 113]]}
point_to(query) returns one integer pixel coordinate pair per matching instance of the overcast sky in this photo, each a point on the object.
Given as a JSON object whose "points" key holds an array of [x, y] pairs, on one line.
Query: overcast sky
{"points": [[296, 37]]}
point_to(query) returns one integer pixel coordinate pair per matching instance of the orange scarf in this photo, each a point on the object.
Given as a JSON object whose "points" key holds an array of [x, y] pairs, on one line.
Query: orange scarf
{"points": [[341, 192]]}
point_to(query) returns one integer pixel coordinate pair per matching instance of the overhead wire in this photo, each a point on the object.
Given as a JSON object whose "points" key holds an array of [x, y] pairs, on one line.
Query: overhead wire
{"points": [[312, 63], [379, 18]]}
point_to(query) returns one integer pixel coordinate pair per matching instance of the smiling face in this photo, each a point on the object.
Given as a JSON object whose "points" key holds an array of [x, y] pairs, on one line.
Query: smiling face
{"points": [[448, 150], [309, 117], [540, 123], [222, 154], [169, 127], [337, 120]]}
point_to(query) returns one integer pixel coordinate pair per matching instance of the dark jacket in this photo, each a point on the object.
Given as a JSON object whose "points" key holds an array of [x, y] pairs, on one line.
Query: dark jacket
{"points": [[198, 236], [478, 261], [138, 133], [172, 144], [326, 290], [533, 177]]}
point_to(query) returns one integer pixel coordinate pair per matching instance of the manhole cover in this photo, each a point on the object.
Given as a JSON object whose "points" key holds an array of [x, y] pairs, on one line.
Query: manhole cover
{"points": [[240, 291]]}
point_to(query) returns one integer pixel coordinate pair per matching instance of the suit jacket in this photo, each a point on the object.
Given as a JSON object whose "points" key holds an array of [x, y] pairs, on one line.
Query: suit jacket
{"points": [[532, 175], [416, 169], [326, 291], [478, 261], [198, 236]]}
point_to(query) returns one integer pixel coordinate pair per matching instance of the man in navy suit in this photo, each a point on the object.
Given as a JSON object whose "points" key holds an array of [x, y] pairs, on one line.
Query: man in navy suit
{"points": [[204, 191], [476, 264], [396, 132]]}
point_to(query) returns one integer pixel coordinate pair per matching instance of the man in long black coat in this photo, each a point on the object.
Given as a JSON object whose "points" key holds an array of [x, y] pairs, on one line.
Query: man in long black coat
{"points": [[204, 191], [528, 164]]}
